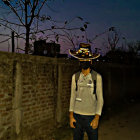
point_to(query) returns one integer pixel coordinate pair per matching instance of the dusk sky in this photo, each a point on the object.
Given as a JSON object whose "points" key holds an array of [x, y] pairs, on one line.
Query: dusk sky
{"points": [[101, 14]]}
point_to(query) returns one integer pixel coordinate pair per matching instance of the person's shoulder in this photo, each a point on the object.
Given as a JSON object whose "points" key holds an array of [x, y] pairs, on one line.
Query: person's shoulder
{"points": [[77, 72], [94, 71], [73, 75], [97, 73]]}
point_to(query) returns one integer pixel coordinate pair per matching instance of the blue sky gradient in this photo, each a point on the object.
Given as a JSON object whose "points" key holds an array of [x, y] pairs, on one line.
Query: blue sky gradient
{"points": [[102, 14]]}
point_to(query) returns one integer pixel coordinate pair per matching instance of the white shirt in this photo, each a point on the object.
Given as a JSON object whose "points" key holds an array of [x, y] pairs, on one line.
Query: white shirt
{"points": [[83, 101]]}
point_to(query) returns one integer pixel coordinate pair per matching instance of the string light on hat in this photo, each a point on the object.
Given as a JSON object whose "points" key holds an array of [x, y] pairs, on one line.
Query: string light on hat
{"points": [[84, 52]]}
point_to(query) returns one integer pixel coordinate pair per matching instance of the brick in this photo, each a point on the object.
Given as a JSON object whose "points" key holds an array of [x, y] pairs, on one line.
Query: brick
{"points": [[2, 95], [8, 99], [26, 91], [25, 101], [4, 114], [9, 108]]}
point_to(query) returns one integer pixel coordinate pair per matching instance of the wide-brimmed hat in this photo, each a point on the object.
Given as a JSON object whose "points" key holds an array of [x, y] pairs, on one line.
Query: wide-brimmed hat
{"points": [[84, 52]]}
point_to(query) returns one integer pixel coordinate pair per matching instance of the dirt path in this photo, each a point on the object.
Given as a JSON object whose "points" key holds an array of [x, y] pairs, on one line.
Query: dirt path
{"points": [[122, 126], [122, 123]]}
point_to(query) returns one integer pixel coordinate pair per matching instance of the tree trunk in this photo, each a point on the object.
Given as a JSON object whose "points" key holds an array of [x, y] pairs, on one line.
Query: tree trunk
{"points": [[27, 40]]}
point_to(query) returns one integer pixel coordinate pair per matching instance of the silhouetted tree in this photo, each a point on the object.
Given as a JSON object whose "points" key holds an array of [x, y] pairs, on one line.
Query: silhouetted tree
{"points": [[28, 17], [113, 38], [72, 37], [133, 47]]}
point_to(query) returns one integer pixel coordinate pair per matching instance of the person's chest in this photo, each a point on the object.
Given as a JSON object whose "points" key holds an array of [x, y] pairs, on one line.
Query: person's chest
{"points": [[85, 81]]}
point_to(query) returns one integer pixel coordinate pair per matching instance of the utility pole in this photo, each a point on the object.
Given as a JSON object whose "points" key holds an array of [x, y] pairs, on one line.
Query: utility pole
{"points": [[27, 27], [13, 42]]}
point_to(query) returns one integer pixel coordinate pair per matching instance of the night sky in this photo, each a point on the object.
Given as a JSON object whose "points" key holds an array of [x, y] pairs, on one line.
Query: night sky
{"points": [[101, 14]]}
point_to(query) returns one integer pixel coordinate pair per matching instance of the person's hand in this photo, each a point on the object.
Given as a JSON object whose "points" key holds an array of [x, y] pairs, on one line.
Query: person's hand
{"points": [[72, 120], [94, 123]]}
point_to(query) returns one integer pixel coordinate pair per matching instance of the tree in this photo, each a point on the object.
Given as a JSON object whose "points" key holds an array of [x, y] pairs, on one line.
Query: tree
{"points": [[133, 47], [113, 38], [28, 19], [72, 37]]}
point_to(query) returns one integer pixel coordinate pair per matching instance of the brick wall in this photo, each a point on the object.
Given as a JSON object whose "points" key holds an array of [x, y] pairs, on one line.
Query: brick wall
{"points": [[6, 93], [66, 89], [29, 95], [35, 93]]}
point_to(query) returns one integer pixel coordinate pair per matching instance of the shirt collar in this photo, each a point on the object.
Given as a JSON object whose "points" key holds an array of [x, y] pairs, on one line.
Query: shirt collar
{"points": [[86, 75]]}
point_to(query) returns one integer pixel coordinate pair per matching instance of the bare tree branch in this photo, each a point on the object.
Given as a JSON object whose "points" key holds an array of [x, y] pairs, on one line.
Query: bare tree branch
{"points": [[51, 8], [4, 35], [41, 6], [29, 20], [8, 27], [32, 11], [5, 40], [12, 8], [4, 20]]}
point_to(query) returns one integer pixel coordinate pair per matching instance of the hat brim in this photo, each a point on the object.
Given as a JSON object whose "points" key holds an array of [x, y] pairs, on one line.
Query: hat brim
{"points": [[93, 56]]}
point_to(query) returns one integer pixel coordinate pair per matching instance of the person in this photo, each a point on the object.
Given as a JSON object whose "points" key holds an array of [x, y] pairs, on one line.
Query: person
{"points": [[85, 110]]}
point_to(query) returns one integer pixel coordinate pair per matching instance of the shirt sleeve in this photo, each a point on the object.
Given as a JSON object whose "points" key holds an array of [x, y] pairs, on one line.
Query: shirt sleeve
{"points": [[99, 93], [73, 95]]}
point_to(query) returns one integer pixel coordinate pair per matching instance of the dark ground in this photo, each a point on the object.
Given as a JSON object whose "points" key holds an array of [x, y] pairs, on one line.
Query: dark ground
{"points": [[118, 122]]}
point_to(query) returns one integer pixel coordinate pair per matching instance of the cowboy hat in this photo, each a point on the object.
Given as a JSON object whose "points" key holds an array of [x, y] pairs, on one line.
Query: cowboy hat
{"points": [[84, 52]]}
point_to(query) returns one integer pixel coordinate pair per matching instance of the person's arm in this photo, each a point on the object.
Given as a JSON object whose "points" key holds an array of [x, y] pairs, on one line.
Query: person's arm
{"points": [[73, 95], [97, 116], [72, 120], [72, 102], [99, 93], [71, 114]]}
